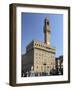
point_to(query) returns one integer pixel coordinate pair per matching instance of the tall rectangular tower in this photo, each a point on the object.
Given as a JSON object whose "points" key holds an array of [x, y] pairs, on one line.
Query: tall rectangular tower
{"points": [[47, 31]]}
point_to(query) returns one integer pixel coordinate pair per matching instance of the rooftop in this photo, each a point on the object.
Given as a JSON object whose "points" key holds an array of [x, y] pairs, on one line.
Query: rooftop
{"points": [[40, 45]]}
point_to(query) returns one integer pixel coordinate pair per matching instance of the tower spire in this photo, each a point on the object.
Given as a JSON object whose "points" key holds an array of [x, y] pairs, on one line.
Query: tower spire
{"points": [[47, 31]]}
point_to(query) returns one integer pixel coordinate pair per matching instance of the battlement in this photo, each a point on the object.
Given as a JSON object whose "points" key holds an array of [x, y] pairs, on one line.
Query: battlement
{"points": [[40, 45]]}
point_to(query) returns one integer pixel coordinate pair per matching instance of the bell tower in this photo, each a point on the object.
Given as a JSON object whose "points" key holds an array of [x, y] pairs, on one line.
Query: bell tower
{"points": [[47, 31]]}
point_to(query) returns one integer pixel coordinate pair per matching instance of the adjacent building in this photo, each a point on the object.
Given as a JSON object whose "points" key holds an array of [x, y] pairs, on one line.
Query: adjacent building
{"points": [[59, 65]]}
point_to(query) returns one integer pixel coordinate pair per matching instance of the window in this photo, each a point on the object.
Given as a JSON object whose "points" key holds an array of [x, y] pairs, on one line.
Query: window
{"points": [[36, 53], [47, 66], [36, 57], [37, 44], [37, 67], [42, 54], [51, 63], [39, 54]]}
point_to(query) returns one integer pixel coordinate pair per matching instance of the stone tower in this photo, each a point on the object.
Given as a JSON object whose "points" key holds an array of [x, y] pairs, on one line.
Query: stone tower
{"points": [[47, 31]]}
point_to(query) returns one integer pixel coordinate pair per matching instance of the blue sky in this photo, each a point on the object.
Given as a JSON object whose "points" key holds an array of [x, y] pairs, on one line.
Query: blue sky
{"points": [[32, 29]]}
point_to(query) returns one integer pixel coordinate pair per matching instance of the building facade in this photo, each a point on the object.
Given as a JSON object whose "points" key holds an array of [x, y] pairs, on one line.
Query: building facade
{"points": [[59, 65], [39, 58]]}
